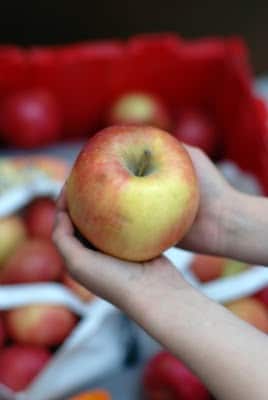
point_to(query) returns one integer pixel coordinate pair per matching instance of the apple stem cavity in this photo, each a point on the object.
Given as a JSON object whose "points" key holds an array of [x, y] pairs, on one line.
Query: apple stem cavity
{"points": [[144, 163]]}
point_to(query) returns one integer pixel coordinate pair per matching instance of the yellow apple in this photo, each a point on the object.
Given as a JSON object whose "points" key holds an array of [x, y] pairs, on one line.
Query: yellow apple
{"points": [[12, 233], [133, 192], [139, 108]]}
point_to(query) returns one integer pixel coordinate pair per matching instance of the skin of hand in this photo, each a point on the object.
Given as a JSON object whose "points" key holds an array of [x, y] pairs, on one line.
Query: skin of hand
{"points": [[230, 356]]}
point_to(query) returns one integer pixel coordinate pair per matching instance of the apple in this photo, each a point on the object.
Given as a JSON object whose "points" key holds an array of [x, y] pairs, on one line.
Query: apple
{"points": [[195, 127], [19, 365], [30, 118], [40, 324], [2, 333], [35, 260], [133, 192], [165, 377], [77, 288], [138, 108], [233, 267], [92, 395], [12, 233], [207, 268], [252, 311], [40, 216], [262, 296]]}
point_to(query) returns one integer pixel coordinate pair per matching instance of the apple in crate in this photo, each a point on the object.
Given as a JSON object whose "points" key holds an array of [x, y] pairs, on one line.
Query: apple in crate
{"points": [[138, 108], [39, 324], [77, 288], [92, 395], [196, 128], [252, 311], [30, 118], [207, 268], [35, 260], [40, 216], [262, 296], [133, 192], [12, 233], [19, 365], [165, 377]]}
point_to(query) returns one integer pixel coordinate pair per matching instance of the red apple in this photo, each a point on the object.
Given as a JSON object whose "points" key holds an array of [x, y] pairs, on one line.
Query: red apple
{"points": [[207, 268], [77, 288], [19, 365], [12, 233], [30, 118], [35, 260], [133, 192], [41, 325], [252, 311], [2, 332], [262, 296], [138, 108], [196, 128], [165, 377], [40, 216]]}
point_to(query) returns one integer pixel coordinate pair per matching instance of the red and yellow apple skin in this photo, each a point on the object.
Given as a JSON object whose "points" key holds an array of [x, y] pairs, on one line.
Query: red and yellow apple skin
{"points": [[40, 324], [138, 108], [123, 214]]}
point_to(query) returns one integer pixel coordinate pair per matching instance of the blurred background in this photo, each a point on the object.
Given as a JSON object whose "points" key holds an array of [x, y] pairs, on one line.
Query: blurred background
{"points": [[62, 21], [51, 100]]}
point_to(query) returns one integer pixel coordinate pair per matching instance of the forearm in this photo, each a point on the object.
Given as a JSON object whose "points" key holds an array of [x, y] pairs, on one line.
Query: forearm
{"points": [[245, 232], [229, 356]]}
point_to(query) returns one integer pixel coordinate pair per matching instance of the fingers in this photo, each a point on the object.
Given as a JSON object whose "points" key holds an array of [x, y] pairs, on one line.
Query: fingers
{"points": [[62, 202], [63, 237], [100, 273]]}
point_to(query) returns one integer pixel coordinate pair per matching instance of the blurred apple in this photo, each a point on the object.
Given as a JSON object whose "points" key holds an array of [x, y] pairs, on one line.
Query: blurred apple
{"points": [[233, 267], [35, 260], [196, 128], [30, 118], [133, 192], [19, 365], [2, 332], [92, 395], [12, 233], [44, 325], [165, 377], [252, 311], [207, 268], [40, 216], [262, 296], [77, 288], [138, 108]]}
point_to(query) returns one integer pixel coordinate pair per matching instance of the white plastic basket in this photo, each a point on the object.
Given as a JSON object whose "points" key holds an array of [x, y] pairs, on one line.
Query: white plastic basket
{"points": [[96, 345]]}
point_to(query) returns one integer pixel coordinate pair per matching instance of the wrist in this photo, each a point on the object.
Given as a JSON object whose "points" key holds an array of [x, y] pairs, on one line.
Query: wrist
{"points": [[156, 283]]}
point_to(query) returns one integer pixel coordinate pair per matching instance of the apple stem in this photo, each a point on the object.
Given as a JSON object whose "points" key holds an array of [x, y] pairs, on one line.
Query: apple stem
{"points": [[144, 162]]}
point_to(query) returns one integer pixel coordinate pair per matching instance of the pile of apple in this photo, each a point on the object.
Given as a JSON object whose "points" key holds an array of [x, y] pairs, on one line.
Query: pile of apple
{"points": [[32, 118], [253, 309], [29, 335], [192, 125]]}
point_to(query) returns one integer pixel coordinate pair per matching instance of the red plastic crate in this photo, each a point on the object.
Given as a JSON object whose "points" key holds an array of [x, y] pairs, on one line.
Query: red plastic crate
{"points": [[211, 73]]}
